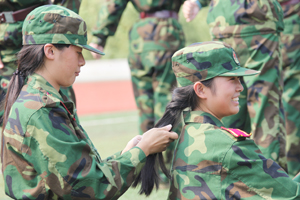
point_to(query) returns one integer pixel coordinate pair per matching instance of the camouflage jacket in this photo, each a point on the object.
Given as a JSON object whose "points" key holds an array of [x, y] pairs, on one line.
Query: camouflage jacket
{"points": [[211, 163], [146, 34], [244, 17], [48, 155]]}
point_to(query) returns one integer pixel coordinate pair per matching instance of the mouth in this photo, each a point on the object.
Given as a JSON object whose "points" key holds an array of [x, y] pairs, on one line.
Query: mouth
{"points": [[77, 73], [236, 99]]}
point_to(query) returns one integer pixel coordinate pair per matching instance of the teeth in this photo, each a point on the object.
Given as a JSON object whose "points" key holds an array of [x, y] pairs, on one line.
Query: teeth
{"points": [[235, 99]]}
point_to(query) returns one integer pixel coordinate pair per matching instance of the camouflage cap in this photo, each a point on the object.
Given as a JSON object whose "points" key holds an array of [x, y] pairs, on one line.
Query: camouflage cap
{"points": [[56, 25], [206, 60]]}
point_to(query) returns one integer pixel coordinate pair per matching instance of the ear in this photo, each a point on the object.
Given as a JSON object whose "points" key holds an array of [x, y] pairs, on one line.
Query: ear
{"points": [[200, 90], [49, 51]]}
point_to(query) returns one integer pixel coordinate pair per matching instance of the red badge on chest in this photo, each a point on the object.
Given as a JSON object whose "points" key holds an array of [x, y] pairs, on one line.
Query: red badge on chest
{"points": [[236, 132]]}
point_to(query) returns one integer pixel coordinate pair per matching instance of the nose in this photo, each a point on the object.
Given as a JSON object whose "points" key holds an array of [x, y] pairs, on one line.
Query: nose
{"points": [[240, 87], [81, 61]]}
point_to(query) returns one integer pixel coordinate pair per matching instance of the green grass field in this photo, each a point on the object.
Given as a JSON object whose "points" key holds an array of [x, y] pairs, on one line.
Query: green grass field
{"points": [[110, 134]]}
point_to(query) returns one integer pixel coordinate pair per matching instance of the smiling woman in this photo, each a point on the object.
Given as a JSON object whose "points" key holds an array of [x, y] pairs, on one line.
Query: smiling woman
{"points": [[46, 154], [211, 161]]}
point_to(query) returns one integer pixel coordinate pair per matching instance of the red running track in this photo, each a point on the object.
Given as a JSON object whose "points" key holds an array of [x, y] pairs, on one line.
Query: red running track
{"points": [[104, 97]]}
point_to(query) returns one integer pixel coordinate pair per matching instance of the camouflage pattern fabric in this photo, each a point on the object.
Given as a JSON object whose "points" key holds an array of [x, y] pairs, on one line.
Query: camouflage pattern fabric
{"points": [[11, 41], [37, 163], [290, 39], [212, 163], [253, 29], [152, 42], [198, 62], [151, 69]]}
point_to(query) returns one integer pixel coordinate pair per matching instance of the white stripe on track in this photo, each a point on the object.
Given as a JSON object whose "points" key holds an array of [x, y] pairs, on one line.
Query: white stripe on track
{"points": [[117, 120]]}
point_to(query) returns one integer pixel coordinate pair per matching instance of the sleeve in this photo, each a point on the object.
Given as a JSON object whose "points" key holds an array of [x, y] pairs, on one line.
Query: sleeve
{"points": [[70, 167], [108, 20], [261, 175]]}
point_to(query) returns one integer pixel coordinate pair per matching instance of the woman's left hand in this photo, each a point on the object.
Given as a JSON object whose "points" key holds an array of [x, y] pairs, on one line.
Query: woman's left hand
{"points": [[132, 143]]}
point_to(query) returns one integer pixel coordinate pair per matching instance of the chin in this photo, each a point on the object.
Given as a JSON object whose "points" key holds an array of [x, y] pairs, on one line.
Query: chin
{"points": [[66, 85], [235, 112]]}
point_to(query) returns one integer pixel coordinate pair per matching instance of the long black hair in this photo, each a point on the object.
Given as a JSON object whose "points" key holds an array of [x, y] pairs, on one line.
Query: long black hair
{"points": [[30, 58], [182, 98]]}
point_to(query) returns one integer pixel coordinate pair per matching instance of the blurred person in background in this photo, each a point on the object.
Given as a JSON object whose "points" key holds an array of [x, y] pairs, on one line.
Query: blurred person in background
{"points": [[46, 152], [290, 39], [12, 15], [152, 41], [252, 29]]}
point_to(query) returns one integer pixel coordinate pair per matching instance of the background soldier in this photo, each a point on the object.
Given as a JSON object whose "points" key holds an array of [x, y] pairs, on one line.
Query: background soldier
{"points": [[290, 39], [153, 40]]}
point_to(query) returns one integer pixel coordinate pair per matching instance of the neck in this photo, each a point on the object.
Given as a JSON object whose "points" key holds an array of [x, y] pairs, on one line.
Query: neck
{"points": [[204, 109], [47, 75]]}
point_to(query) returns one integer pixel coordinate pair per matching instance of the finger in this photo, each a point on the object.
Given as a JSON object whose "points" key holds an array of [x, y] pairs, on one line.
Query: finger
{"points": [[173, 135], [1, 64], [171, 140], [139, 137], [136, 140], [167, 127]]}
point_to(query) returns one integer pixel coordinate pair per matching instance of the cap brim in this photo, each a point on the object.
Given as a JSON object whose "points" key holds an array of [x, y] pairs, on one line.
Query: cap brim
{"points": [[89, 48], [240, 72]]}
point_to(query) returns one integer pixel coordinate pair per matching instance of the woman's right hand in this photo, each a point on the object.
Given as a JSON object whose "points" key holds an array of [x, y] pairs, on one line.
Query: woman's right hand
{"points": [[157, 140]]}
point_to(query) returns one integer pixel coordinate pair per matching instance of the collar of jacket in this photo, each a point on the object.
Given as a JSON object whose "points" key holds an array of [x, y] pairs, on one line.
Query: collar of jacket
{"points": [[200, 117], [49, 95]]}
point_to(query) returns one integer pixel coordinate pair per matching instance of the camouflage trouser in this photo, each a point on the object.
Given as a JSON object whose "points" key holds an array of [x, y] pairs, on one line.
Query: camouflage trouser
{"points": [[290, 39], [152, 80], [261, 109]]}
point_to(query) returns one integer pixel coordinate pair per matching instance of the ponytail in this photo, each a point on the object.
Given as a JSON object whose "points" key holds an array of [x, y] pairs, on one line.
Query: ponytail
{"points": [[182, 98], [30, 59]]}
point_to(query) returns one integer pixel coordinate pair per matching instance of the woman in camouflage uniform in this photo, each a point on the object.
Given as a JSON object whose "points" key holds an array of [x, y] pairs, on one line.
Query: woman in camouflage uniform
{"points": [[252, 28], [211, 161], [46, 153]]}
